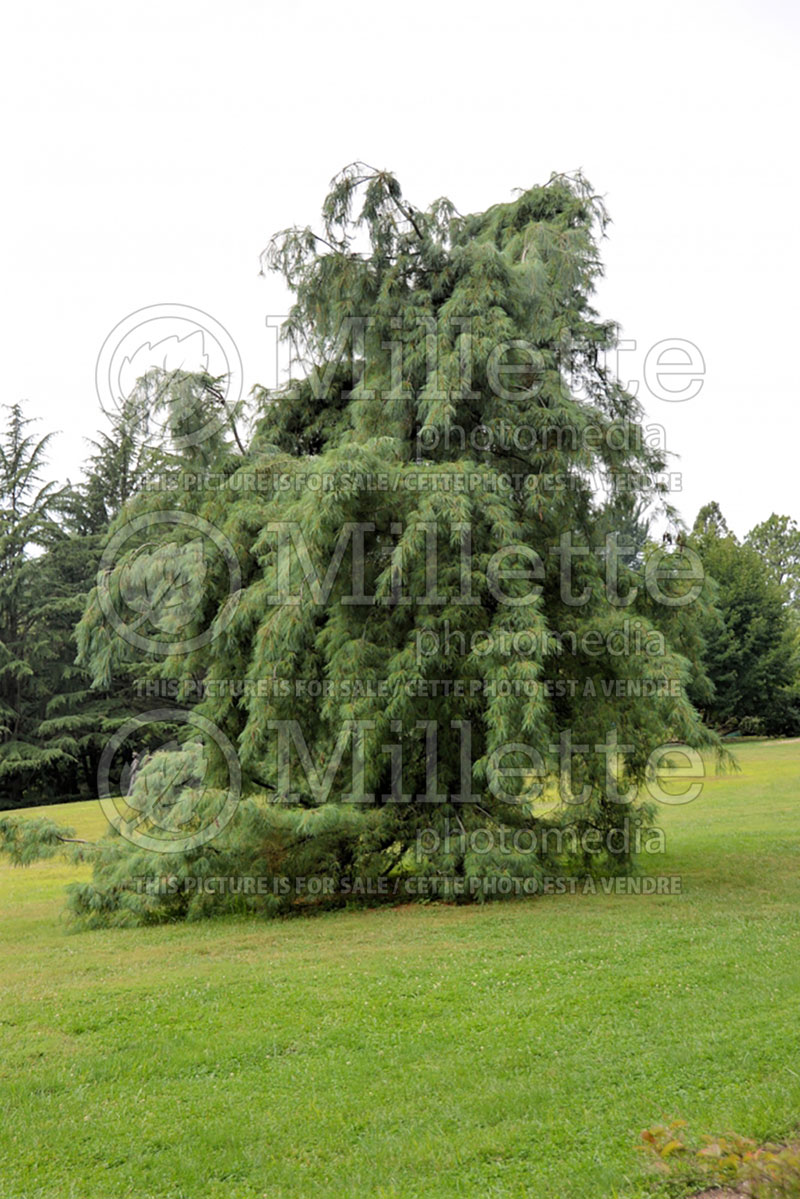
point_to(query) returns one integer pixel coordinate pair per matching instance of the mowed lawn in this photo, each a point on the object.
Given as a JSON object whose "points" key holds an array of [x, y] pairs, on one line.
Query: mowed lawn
{"points": [[514, 1049]]}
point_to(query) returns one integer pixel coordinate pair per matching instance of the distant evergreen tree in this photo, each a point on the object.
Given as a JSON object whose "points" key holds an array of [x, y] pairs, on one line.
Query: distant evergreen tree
{"points": [[120, 464], [55, 724], [27, 524], [750, 651]]}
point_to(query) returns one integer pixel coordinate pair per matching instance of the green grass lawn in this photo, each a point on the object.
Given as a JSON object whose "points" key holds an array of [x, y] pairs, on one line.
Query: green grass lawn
{"points": [[515, 1049]]}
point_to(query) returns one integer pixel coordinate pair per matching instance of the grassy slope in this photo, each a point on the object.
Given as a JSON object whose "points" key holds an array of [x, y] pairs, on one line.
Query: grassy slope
{"points": [[511, 1050]]}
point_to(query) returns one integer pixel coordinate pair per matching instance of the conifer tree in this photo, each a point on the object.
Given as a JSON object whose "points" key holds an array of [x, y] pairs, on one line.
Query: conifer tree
{"points": [[441, 619], [27, 524], [751, 651], [56, 723]]}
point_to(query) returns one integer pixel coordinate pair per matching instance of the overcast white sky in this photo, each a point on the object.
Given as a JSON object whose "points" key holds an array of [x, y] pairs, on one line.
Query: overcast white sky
{"points": [[152, 148]]}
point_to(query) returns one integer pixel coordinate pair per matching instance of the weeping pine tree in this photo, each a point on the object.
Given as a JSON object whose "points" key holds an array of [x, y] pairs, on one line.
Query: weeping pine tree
{"points": [[452, 652]]}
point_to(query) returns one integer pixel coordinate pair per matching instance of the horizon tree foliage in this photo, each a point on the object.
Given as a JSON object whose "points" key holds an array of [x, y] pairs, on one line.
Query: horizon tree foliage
{"points": [[120, 463], [777, 540], [27, 523], [438, 620], [56, 723], [751, 651]]}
